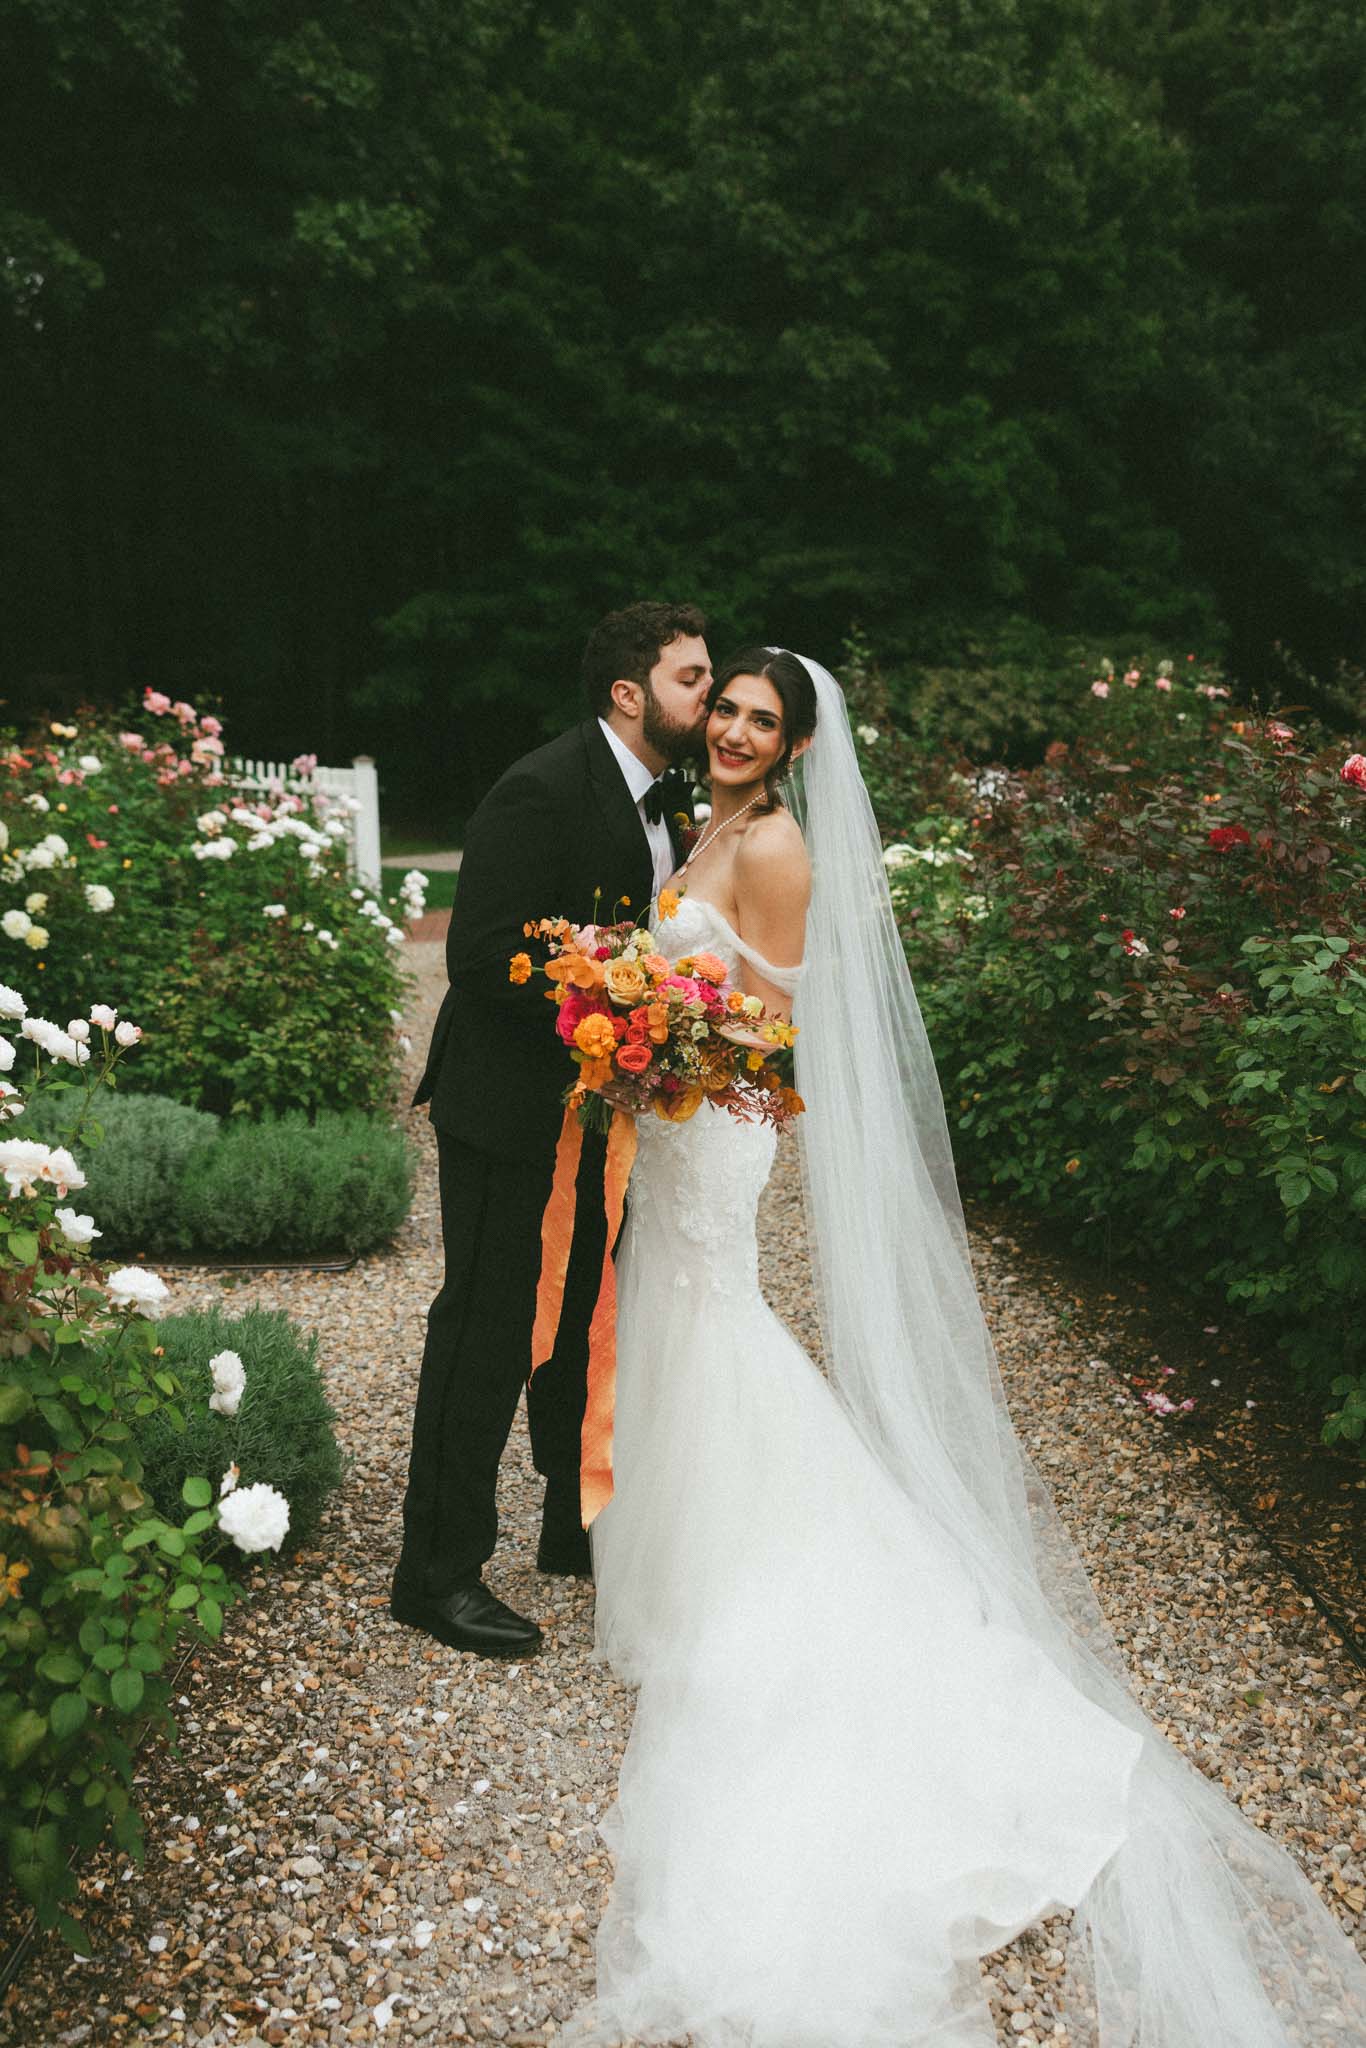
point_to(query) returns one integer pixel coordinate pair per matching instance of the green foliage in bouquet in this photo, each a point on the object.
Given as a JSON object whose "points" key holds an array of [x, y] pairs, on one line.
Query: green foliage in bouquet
{"points": [[99, 1582], [174, 1179], [281, 1433], [227, 920], [1143, 968]]}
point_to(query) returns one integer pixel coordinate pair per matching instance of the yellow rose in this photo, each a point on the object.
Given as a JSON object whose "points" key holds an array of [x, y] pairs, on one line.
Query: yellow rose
{"points": [[625, 982], [36, 937], [676, 1109]]}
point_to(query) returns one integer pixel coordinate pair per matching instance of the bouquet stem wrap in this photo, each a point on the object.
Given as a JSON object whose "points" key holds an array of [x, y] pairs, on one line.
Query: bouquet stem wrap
{"points": [[557, 1236]]}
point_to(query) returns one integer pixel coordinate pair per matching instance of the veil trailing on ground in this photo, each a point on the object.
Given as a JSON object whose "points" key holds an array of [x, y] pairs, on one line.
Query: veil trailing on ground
{"points": [[1199, 1930]]}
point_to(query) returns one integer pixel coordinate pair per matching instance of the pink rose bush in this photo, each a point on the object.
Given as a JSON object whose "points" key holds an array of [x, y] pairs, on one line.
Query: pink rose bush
{"points": [[227, 920]]}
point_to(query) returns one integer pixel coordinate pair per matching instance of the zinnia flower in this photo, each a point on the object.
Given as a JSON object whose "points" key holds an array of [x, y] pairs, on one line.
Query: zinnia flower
{"points": [[256, 1517], [594, 1036], [519, 968], [229, 1381], [134, 1287]]}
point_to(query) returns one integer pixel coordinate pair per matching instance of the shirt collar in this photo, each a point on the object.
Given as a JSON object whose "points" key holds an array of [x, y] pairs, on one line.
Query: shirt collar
{"points": [[638, 776]]}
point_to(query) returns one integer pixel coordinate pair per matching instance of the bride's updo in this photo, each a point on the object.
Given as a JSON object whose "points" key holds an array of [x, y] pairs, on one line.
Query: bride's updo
{"points": [[793, 681]]}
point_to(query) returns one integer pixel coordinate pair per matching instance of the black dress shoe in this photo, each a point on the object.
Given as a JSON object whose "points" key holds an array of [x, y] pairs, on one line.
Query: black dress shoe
{"points": [[470, 1618], [564, 1547]]}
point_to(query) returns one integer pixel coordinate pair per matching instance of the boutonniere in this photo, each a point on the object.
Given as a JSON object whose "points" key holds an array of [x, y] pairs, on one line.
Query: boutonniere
{"points": [[688, 832]]}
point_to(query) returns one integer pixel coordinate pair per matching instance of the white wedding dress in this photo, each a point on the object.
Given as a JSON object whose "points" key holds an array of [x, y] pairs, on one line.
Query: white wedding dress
{"points": [[844, 1780], [882, 1724]]}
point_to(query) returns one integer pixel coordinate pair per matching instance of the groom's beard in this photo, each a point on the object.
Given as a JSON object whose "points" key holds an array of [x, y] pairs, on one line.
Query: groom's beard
{"points": [[677, 743]]}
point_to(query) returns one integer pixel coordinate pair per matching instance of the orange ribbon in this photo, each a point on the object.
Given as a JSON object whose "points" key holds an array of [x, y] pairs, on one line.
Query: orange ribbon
{"points": [[557, 1237]]}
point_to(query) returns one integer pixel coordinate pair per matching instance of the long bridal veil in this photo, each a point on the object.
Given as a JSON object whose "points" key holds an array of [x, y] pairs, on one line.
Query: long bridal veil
{"points": [[1199, 1930]]}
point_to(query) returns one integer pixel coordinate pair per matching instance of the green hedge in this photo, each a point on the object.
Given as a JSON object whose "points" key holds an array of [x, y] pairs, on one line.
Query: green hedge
{"points": [[171, 1179], [282, 1433]]}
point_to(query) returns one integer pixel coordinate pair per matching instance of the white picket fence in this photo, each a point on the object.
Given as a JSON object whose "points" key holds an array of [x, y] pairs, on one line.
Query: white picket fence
{"points": [[360, 781]]}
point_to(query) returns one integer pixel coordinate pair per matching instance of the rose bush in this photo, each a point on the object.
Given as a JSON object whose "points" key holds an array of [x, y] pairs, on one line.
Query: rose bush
{"points": [[1143, 968], [98, 1584], [229, 923]]}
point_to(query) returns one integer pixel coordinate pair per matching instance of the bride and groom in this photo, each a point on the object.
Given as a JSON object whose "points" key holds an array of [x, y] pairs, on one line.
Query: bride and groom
{"points": [[881, 1725]]}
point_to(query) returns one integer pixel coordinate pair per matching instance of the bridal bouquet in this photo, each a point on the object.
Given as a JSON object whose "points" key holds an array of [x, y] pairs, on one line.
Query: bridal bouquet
{"points": [[651, 1033]]}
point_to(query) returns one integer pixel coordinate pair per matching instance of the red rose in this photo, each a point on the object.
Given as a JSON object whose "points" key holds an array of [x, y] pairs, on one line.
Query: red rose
{"points": [[633, 1058], [1225, 836]]}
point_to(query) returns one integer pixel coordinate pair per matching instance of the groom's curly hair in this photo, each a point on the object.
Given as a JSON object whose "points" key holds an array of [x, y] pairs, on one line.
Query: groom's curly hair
{"points": [[628, 643]]}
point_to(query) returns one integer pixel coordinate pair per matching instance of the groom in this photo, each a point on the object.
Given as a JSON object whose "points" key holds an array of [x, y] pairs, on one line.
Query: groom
{"points": [[590, 818]]}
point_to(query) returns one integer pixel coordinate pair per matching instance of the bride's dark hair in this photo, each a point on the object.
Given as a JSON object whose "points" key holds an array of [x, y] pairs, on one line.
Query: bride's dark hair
{"points": [[793, 681]]}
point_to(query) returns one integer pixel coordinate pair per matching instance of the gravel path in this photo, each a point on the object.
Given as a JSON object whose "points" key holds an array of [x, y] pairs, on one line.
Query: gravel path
{"points": [[363, 1837]]}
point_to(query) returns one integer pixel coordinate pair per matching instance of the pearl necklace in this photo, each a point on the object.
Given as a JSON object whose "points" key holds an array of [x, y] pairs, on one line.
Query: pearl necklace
{"points": [[707, 839]]}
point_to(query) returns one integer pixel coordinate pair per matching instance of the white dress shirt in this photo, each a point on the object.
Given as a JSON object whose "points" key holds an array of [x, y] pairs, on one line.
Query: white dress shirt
{"points": [[638, 780]]}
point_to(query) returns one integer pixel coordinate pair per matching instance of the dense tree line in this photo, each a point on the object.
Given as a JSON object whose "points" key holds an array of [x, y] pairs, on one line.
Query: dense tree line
{"points": [[353, 359]]}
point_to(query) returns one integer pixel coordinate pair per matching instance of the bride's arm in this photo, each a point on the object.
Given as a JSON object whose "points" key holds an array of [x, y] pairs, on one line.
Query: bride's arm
{"points": [[772, 880]]}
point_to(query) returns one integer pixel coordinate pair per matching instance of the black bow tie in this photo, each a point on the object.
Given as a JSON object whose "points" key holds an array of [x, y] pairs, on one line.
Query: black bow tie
{"points": [[653, 801]]}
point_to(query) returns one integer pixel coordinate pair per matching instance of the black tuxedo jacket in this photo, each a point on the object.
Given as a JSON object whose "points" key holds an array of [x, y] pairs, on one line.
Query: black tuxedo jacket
{"points": [[558, 828]]}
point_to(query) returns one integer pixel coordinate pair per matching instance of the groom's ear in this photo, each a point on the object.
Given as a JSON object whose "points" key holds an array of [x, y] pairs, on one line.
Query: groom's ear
{"points": [[627, 697]]}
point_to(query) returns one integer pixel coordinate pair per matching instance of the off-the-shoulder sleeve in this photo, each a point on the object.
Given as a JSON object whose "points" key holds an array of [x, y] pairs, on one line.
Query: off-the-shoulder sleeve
{"points": [[785, 978]]}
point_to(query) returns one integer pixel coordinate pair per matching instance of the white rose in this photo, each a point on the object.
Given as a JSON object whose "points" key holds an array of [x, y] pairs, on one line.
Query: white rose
{"points": [[12, 1004], [98, 897], [7, 1055], [79, 1029], [211, 822], [23, 1162], [55, 845], [260, 841], [11, 1102], [256, 1517], [101, 1014], [36, 903], [4, 835], [37, 802], [229, 1380], [394, 936], [869, 734], [126, 1033], [16, 924], [273, 910], [228, 1482], [41, 1032], [135, 1287], [76, 1229], [90, 764], [39, 857], [36, 937]]}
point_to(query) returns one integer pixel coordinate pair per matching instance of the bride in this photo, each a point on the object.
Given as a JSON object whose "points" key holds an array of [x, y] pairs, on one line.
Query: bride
{"points": [[882, 1727]]}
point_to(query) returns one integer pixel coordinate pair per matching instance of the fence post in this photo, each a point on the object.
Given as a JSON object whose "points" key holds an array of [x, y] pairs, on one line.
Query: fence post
{"points": [[367, 821]]}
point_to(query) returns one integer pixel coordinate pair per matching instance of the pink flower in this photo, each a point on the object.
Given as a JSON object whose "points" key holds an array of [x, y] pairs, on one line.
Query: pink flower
{"points": [[131, 740], [1281, 734], [67, 777], [186, 713], [209, 748], [1100, 689], [303, 764], [575, 1007], [1353, 770], [1162, 683], [156, 702], [211, 725], [1131, 678], [148, 756], [1178, 911], [185, 768]]}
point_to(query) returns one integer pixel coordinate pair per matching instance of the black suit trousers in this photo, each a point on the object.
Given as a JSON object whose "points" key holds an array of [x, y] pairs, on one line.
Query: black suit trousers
{"points": [[478, 1354]]}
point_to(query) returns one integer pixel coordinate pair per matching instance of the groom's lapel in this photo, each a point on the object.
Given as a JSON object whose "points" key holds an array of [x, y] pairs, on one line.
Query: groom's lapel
{"points": [[620, 831]]}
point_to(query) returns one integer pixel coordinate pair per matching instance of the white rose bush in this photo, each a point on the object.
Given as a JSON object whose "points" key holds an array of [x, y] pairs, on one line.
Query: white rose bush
{"points": [[98, 1582], [228, 922]]}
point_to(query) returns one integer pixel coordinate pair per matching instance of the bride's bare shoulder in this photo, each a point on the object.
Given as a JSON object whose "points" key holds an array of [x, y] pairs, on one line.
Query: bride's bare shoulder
{"points": [[772, 856]]}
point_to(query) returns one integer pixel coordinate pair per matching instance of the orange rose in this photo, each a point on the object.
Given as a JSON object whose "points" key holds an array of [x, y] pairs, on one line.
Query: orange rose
{"points": [[634, 1058], [658, 1014], [676, 1109], [709, 968], [594, 1035], [625, 981], [519, 968]]}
